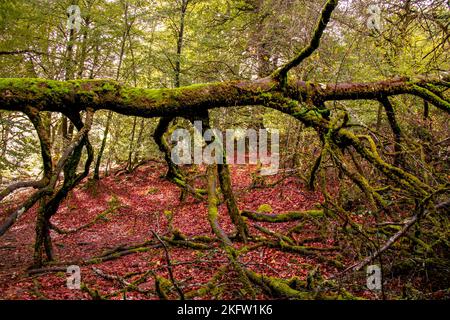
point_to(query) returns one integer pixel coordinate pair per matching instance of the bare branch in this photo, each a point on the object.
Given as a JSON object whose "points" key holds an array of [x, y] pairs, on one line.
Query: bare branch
{"points": [[325, 16], [169, 266], [16, 52], [406, 226]]}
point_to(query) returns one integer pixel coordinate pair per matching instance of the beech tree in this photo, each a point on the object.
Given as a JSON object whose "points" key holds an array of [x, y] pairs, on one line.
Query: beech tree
{"points": [[309, 103]]}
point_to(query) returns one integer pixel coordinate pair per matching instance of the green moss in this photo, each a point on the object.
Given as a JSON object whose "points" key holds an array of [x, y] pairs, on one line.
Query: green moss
{"points": [[131, 94], [152, 190], [37, 86], [431, 97], [266, 95], [400, 176], [108, 87], [95, 261], [283, 217], [265, 208], [278, 287]]}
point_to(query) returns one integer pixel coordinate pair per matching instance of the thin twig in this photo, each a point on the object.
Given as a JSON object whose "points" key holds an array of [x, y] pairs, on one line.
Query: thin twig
{"points": [[169, 266]]}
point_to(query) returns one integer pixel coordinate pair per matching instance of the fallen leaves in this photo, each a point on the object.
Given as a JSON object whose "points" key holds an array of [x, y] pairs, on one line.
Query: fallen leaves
{"points": [[143, 199]]}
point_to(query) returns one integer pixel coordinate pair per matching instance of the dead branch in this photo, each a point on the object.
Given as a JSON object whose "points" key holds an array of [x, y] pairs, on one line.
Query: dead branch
{"points": [[169, 266]]}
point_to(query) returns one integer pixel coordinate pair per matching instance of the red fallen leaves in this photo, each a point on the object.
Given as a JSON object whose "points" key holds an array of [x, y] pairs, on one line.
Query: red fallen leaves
{"points": [[144, 196]]}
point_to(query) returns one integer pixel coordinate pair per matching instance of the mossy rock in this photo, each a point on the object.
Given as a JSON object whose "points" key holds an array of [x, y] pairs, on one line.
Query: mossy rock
{"points": [[265, 208]]}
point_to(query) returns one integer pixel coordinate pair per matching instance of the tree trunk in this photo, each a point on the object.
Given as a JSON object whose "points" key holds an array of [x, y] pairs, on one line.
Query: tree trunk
{"points": [[102, 147], [396, 130], [110, 115]]}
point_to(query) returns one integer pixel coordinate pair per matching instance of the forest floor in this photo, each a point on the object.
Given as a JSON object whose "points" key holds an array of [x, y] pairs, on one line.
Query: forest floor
{"points": [[142, 199]]}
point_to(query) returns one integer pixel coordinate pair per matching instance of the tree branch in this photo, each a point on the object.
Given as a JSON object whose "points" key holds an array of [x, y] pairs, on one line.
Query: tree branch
{"points": [[15, 52], [406, 226], [169, 266], [68, 97], [281, 73], [49, 187]]}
